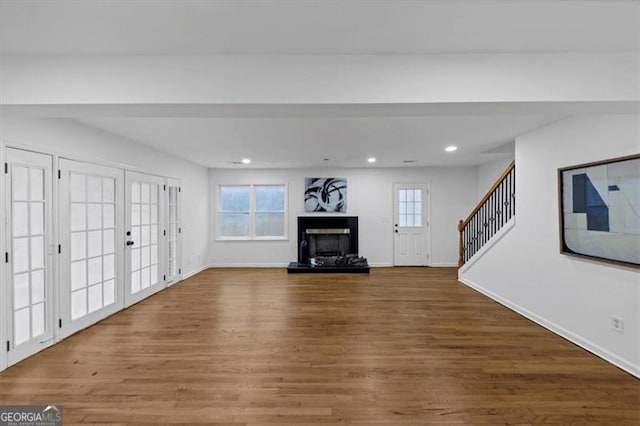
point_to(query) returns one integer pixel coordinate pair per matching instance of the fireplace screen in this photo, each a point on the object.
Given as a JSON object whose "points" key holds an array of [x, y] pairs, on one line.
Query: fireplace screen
{"points": [[328, 242]]}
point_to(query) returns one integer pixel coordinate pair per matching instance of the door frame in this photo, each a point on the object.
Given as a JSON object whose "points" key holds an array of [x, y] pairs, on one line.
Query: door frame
{"points": [[50, 261], [67, 326], [171, 280], [3, 265], [426, 212]]}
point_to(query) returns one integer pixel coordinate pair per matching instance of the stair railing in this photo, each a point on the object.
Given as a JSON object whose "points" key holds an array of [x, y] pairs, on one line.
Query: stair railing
{"points": [[492, 212]]}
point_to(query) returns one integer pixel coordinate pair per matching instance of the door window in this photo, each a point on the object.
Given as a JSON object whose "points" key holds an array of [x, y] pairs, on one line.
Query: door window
{"points": [[29, 287], [93, 243], [410, 208], [174, 229], [144, 233]]}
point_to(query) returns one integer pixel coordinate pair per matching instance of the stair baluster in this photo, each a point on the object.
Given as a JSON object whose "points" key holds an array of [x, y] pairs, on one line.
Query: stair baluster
{"points": [[493, 211]]}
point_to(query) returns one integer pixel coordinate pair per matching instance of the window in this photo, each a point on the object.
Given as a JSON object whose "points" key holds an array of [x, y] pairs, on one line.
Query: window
{"points": [[252, 212], [410, 208], [234, 211], [270, 212]]}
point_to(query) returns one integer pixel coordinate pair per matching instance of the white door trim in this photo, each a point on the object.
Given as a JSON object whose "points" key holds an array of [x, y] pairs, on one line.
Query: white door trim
{"points": [[173, 279], [3, 266]]}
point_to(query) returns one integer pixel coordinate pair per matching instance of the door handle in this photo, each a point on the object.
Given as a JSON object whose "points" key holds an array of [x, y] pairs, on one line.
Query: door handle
{"points": [[130, 243], [396, 231]]}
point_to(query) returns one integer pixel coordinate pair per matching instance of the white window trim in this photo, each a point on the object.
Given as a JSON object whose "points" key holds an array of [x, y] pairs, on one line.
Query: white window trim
{"points": [[252, 213]]}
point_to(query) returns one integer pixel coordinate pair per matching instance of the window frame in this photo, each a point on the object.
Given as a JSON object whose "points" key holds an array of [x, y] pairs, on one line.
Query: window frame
{"points": [[252, 213]]}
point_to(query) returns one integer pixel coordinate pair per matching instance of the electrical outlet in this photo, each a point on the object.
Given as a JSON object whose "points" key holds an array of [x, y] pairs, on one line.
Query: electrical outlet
{"points": [[617, 324]]}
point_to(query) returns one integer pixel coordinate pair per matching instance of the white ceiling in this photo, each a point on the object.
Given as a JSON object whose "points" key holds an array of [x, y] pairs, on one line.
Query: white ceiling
{"points": [[151, 27], [274, 138], [347, 142]]}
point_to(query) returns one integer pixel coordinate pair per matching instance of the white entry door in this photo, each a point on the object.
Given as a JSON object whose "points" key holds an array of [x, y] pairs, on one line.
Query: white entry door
{"points": [[91, 222], [410, 225], [29, 322], [144, 220], [173, 231]]}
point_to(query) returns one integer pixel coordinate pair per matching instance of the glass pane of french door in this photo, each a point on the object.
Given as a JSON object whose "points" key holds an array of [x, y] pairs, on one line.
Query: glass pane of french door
{"points": [[28, 233], [173, 230], [91, 224], [145, 271]]}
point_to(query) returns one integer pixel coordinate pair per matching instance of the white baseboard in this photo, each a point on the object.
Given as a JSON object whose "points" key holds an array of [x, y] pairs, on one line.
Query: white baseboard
{"points": [[621, 363], [194, 272], [432, 265], [248, 265]]}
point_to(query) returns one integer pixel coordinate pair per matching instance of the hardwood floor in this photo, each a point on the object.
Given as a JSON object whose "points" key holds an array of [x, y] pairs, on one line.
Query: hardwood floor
{"points": [[260, 347]]}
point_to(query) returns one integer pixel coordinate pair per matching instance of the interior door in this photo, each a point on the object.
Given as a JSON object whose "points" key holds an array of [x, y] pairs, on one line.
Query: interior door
{"points": [[91, 218], [410, 225], [29, 257], [144, 219], [173, 231]]}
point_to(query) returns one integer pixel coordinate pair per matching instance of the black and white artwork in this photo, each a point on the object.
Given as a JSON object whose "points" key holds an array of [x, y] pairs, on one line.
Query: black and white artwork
{"points": [[600, 210], [325, 195]]}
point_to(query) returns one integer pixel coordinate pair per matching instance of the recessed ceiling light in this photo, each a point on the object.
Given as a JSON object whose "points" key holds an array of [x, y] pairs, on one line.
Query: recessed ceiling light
{"points": [[451, 148], [371, 159], [246, 161]]}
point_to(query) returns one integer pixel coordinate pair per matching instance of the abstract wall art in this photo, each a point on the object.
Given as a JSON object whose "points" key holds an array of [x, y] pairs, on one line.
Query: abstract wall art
{"points": [[325, 195], [600, 210]]}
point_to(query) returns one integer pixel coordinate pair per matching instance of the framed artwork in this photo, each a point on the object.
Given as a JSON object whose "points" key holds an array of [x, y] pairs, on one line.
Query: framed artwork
{"points": [[325, 195], [600, 210]]}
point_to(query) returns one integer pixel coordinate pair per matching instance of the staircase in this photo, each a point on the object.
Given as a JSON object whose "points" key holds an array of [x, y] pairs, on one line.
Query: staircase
{"points": [[493, 211]]}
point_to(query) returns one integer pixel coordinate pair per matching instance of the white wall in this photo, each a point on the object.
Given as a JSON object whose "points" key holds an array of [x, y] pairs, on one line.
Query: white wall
{"points": [[526, 271], [73, 140], [488, 173], [370, 191]]}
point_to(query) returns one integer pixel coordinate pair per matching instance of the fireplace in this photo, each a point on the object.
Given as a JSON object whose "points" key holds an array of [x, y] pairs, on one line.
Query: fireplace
{"points": [[328, 241], [328, 244]]}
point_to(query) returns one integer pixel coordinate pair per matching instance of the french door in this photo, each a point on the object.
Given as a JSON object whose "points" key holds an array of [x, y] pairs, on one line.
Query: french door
{"points": [[91, 220], [28, 236], [144, 219], [410, 225], [173, 231]]}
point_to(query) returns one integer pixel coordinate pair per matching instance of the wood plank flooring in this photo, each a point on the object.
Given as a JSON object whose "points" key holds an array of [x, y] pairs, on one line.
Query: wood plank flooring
{"points": [[401, 346]]}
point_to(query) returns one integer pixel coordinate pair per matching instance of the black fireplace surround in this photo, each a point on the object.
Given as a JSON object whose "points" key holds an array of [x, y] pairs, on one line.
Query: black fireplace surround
{"points": [[327, 236]]}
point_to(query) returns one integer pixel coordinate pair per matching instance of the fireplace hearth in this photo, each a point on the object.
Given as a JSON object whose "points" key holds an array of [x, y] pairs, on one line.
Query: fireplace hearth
{"points": [[328, 244]]}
